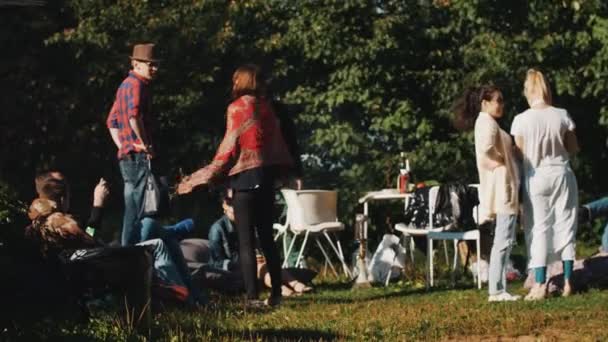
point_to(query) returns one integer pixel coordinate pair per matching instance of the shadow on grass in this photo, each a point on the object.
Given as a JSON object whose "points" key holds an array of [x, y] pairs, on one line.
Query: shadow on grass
{"points": [[283, 335], [361, 296], [48, 330], [593, 275]]}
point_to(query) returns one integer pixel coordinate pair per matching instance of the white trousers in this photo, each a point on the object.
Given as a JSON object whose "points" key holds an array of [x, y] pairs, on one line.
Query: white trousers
{"points": [[550, 214]]}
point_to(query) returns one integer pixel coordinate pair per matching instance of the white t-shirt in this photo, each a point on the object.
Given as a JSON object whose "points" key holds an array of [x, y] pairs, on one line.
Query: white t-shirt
{"points": [[543, 132]]}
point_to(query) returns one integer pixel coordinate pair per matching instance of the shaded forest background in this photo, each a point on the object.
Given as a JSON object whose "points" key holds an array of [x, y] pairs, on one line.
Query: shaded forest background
{"points": [[363, 80]]}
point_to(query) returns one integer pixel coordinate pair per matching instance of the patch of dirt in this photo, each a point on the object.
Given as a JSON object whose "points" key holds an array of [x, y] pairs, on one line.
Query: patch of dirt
{"points": [[548, 335]]}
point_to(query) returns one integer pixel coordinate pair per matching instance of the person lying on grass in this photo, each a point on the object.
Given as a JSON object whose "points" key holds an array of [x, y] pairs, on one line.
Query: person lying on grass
{"points": [[58, 234]]}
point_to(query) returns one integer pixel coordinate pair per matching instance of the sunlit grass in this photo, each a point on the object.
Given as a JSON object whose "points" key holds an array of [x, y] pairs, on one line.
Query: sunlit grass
{"points": [[403, 311], [397, 312]]}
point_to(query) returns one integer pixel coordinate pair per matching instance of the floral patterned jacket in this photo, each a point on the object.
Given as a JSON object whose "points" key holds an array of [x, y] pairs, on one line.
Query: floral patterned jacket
{"points": [[253, 139]]}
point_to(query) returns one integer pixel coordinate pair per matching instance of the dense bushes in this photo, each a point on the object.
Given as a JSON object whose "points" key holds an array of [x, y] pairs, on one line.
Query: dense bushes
{"points": [[365, 80]]}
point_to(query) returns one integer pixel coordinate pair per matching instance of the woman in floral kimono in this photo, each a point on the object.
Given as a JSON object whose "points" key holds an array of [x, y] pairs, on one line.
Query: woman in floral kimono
{"points": [[253, 156]]}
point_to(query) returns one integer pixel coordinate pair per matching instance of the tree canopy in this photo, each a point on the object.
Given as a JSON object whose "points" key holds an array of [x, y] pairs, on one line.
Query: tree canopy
{"points": [[363, 79]]}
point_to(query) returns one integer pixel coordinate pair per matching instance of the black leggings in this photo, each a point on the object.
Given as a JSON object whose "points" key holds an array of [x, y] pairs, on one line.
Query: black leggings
{"points": [[255, 209]]}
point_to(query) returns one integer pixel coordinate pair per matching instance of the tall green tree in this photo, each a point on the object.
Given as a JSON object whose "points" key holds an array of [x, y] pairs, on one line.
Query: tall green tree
{"points": [[364, 80]]}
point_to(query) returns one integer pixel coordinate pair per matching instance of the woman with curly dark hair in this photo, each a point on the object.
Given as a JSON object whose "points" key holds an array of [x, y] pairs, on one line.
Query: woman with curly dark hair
{"points": [[480, 108]]}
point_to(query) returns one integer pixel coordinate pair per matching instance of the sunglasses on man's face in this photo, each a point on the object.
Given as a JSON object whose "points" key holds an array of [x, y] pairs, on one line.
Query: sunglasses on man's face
{"points": [[150, 64]]}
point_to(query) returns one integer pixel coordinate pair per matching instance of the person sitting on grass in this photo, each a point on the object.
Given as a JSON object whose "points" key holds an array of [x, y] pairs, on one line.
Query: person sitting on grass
{"points": [[58, 234], [224, 255], [596, 209]]}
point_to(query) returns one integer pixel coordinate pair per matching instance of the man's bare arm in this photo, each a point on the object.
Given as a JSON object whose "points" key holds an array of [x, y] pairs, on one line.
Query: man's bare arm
{"points": [[114, 134], [138, 127]]}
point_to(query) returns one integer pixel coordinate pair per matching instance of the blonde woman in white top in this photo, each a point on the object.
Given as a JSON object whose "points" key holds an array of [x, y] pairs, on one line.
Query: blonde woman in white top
{"points": [[498, 177], [545, 137]]}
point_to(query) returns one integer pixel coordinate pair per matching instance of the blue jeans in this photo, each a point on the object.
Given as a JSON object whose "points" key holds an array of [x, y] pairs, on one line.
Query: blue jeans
{"points": [[133, 169], [599, 208], [152, 230], [164, 265], [504, 238]]}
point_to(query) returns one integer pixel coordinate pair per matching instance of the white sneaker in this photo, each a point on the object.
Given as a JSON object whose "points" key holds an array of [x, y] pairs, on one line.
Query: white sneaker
{"points": [[503, 297], [537, 292]]}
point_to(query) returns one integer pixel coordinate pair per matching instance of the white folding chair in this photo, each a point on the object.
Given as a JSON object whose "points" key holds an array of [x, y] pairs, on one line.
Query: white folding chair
{"points": [[409, 231], [282, 231], [438, 233], [313, 213]]}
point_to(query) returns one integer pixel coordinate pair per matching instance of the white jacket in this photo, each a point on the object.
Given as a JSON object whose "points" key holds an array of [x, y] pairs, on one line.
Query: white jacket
{"points": [[497, 167]]}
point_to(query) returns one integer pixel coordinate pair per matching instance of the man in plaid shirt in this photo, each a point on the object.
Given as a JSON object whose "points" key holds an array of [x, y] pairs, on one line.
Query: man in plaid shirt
{"points": [[128, 122]]}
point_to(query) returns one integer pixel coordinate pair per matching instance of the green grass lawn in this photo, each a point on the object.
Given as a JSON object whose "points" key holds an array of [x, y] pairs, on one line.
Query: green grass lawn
{"points": [[377, 314], [400, 312], [403, 311]]}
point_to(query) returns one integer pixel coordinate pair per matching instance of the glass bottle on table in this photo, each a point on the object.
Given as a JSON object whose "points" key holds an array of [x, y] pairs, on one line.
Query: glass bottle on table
{"points": [[404, 174]]}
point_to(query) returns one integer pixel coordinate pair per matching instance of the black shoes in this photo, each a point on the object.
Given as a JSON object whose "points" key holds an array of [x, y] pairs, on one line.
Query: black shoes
{"points": [[272, 302]]}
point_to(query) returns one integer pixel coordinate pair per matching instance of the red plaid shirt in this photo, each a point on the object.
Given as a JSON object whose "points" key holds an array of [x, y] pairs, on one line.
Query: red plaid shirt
{"points": [[132, 100]]}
